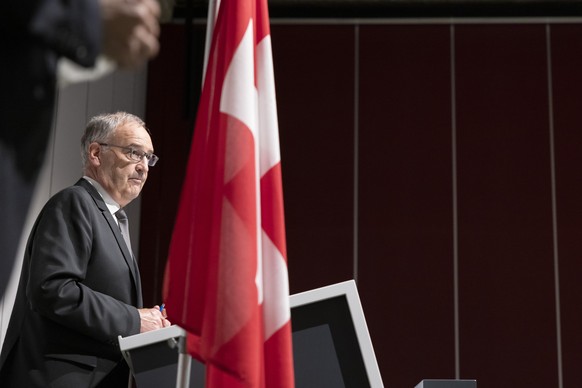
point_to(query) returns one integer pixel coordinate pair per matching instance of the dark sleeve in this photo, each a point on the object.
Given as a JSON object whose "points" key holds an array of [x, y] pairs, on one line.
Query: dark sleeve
{"points": [[33, 35], [62, 285], [69, 28]]}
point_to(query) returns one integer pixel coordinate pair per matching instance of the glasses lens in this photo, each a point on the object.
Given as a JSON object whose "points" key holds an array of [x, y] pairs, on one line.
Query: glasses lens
{"points": [[152, 160], [135, 155]]}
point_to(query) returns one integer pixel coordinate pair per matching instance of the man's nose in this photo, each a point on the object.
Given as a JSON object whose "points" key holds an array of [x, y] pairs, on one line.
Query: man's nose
{"points": [[142, 165]]}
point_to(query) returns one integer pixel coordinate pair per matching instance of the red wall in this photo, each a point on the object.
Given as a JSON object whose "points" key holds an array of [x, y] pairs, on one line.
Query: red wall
{"points": [[421, 160]]}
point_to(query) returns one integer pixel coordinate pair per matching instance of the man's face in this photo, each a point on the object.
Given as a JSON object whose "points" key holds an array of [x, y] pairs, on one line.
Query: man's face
{"points": [[120, 176]]}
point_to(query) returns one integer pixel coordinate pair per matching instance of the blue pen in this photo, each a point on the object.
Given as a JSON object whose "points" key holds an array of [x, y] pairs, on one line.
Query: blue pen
{"points": [[162, 307]]}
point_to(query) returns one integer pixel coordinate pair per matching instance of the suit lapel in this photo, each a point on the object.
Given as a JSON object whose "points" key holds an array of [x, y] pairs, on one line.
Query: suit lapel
{"points": [[130, 261]]}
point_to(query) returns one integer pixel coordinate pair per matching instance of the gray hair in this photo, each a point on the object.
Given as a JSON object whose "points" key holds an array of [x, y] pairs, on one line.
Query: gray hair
{"points": [[101, 127]]}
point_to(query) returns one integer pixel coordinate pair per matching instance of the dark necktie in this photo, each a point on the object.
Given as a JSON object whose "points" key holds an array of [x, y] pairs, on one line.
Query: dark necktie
{"points": [[124, 227]]}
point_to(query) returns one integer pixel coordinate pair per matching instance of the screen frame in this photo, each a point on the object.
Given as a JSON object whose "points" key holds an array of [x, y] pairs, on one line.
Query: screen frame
{"points": [[348, 290]]}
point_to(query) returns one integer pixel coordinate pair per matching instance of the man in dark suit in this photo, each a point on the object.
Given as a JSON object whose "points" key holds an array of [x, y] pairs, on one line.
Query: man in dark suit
{"points": [[80, 285], [34, 34]]}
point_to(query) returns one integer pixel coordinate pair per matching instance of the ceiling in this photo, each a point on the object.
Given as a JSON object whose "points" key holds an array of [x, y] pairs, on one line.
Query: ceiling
{"points": [[400, 8]]}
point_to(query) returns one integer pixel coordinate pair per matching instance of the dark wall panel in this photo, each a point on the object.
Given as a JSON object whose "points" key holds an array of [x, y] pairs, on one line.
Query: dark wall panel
{"points": [[507, 305], [405, 200], [314, 73], [397, 155], [566, 45], [169, 120]]}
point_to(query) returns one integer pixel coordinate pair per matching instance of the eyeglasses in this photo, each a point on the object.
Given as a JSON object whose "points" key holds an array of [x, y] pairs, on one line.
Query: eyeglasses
{"points": [[135, 155]]}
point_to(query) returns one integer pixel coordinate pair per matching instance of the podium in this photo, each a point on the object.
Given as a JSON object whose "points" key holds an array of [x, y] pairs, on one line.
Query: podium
{"points": [[159, 359], [331, 346]]}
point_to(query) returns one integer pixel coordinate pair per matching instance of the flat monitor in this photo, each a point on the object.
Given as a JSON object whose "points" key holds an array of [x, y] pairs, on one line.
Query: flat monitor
{"points": [[331, 343]]}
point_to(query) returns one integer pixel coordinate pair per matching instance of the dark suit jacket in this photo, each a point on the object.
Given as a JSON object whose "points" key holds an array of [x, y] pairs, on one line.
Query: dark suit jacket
{"points": [[33, 35], [78, 291]]}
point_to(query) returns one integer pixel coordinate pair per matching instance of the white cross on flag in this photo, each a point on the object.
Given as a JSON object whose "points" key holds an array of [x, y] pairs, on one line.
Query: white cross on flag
{"points": [[226, 279]]}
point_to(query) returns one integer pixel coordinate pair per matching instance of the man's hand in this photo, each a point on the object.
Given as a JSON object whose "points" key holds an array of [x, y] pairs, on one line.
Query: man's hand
{"points": [[152, 319], [130, 31]]}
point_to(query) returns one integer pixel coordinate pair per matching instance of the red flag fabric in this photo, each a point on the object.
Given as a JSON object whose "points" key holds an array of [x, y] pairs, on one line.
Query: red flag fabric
{"points": [[226, 279]]}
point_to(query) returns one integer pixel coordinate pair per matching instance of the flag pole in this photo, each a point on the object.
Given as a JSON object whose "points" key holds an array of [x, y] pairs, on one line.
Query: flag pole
{"points": [[184, 364], [213, 6], [184, 358]]}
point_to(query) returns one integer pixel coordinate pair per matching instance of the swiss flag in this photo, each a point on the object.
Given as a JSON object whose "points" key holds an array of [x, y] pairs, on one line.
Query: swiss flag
{"points": [[226, 279]]}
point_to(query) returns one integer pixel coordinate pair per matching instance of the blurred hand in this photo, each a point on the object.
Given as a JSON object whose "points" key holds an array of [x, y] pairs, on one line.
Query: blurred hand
{"points": [[130, 31], [152, 319]]}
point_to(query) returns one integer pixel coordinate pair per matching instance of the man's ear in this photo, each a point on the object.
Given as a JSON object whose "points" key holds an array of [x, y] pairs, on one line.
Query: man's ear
{"points": [[94, 154]]}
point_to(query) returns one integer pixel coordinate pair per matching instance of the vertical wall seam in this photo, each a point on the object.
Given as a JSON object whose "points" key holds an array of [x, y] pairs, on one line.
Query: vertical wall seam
{"points": [[53, 137], [554, 205], [88, 98], [455, 204], [134, 89], [356, 144], [113, 86]]}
